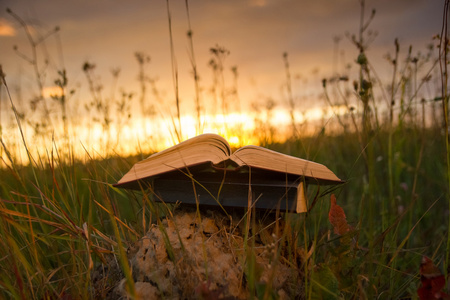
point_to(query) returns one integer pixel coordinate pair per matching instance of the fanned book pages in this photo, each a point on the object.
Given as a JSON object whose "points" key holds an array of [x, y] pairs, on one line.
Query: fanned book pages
{"points": [[208, 160]]}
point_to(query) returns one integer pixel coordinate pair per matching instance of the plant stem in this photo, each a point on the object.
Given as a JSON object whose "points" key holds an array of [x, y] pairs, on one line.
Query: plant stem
{"points": [[289, 94], [195, 72], [174, 75], [391, 130], [443, 52]]}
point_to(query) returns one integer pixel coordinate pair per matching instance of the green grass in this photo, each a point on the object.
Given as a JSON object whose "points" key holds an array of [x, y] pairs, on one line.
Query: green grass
{"points": [[60, 217], [60, 224]]}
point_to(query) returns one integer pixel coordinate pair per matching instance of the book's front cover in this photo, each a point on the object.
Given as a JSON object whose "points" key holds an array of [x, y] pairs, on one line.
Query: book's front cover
{"points": [[225, 185], [228, 187]]}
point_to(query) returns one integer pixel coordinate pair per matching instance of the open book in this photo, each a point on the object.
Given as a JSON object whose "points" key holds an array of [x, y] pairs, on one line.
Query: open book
{"points": [[203, 170], [215, 149]]}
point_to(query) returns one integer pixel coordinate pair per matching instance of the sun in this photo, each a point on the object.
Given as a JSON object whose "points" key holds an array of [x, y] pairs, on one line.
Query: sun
{"points": [[234, 141]]}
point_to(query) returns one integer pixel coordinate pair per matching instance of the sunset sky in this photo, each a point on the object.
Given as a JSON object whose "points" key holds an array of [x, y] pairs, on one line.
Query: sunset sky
{"points": [[256, 32]]}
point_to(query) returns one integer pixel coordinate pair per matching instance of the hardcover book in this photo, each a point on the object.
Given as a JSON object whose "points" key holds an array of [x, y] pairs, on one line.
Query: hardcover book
{"points": [[204, 170]]}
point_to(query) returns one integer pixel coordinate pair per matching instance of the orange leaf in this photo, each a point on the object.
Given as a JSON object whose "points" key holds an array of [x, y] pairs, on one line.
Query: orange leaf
{"points": [[432, 281], [337, 218]]}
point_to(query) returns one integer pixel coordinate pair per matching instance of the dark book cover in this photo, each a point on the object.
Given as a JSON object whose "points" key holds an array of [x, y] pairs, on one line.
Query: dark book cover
{"points": [[225, 185]]}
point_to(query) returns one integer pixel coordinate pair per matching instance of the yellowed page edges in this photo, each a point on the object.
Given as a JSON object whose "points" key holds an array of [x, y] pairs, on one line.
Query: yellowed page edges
{"points": [[301, 198]]}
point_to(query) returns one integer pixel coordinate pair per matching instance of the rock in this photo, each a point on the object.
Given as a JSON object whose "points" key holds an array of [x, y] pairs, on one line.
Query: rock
{"points": [[145, 290], [203, 256]]}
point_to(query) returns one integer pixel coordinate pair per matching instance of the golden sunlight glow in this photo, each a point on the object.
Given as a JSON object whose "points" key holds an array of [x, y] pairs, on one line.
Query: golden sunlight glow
{"points": [[51, 91], [234, 141], [156, 134], [237, 129], [6, 29]]}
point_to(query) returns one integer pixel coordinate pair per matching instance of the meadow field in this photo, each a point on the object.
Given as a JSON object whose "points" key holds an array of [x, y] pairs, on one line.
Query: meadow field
{"points": [[61, 218]]}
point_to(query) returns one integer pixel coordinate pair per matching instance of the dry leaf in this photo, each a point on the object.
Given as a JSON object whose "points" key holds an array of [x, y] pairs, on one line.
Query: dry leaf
{"points": [[432, 281], [337, 218]]}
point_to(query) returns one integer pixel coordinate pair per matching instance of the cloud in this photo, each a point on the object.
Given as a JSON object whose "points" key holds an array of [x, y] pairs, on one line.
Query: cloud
{"points": [[257, 3], [6, 29]]}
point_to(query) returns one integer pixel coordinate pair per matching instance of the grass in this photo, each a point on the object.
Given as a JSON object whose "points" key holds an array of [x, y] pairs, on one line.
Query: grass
{"points": [[61, 218], [59, 224]]}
